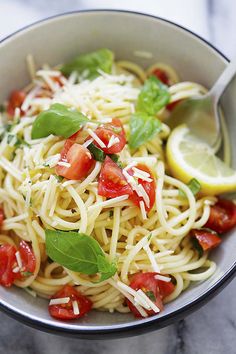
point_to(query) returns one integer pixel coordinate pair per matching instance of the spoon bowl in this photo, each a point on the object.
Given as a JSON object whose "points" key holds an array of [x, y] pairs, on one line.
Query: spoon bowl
{"points": [[201, 113], [202, 117]]}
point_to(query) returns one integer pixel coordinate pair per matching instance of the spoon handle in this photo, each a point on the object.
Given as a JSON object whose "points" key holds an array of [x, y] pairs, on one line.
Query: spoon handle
{"points": [[223, 81]]}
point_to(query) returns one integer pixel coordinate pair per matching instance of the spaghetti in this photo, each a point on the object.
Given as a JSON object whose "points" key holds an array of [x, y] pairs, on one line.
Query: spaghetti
{"points": [[34, 198]]}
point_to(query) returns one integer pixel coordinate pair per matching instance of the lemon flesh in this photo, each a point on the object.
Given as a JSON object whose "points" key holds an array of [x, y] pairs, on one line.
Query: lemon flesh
{"points": [[188, 158]]}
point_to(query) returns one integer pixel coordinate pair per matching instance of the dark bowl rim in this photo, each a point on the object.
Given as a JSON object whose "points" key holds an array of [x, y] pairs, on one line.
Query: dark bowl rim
{"points": [[141, 326]]}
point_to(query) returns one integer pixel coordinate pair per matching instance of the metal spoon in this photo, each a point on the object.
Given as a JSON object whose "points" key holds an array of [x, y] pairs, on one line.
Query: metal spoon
{"points": [[201, 113]]}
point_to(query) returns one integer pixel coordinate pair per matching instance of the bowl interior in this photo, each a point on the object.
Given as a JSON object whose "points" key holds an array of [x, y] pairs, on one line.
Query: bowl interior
{"points": [[59, 39]]}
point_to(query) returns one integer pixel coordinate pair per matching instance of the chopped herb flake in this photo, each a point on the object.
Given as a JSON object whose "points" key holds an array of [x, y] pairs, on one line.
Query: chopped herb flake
{"points": [[193, 185], [151, 295]]}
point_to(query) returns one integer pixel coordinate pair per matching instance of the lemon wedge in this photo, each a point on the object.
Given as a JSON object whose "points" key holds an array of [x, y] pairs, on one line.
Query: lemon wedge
{"points": [[188, 158]]}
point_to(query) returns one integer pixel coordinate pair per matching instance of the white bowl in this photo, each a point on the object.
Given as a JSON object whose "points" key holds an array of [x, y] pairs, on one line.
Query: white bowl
{"points": [[61, 38]]}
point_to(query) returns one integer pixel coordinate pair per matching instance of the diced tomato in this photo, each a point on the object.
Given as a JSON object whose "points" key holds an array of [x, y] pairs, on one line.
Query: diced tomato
{"points": [[27, 257], [105, 133], [78, 157], [155, 289], [1, 216], [206, 239], [16, 100], [68, 143], [171, 106], [65, 311], [149, 187], [222, 216], [112, 182], [166, 288], [162, 76], [7, 263]]}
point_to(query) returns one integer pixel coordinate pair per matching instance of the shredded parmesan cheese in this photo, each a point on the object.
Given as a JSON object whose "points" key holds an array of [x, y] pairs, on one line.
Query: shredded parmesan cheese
{"points": [[16, 270], [130, 165], [148, 301], [59, 301], [64, 164], [18, 259], [53, 160], [143, 211], [144, 194], [96, 138], [152, 259], [87, 143], [162, 278], [142, 175], [113, 140], [75, 307], [109, 202]]}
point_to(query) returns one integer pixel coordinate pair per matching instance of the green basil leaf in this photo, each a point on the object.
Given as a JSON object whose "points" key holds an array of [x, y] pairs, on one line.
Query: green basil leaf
{"points": [[88, 64], [151, 295], [58, 120], [106, 268], [153, 96], [142, 128], [97, 153], [78, 252], [2, 108], [114, 157], [193, 185], [105, 276]]}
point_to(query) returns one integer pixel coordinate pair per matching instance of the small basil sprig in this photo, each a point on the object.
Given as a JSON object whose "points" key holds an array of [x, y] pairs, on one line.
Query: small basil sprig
{"points": [[142, 128], [193, 185], [153, 96], [144, 124], [89, 64], [151, 295], [58, 120], [78, 252], [99, 154]]}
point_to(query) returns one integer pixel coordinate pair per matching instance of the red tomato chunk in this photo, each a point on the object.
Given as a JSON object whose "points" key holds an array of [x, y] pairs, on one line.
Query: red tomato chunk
{"points": [[105, 133], [7, 264], [222, 216], [65, 311], [162, 76], [206, 239], [79, 159], [155, 289], [149, 187], [27, 257], [112, 182], [16, 100]]}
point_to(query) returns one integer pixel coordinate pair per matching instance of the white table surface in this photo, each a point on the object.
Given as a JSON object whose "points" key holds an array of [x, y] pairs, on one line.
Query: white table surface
{"points": [[210, 330]]}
